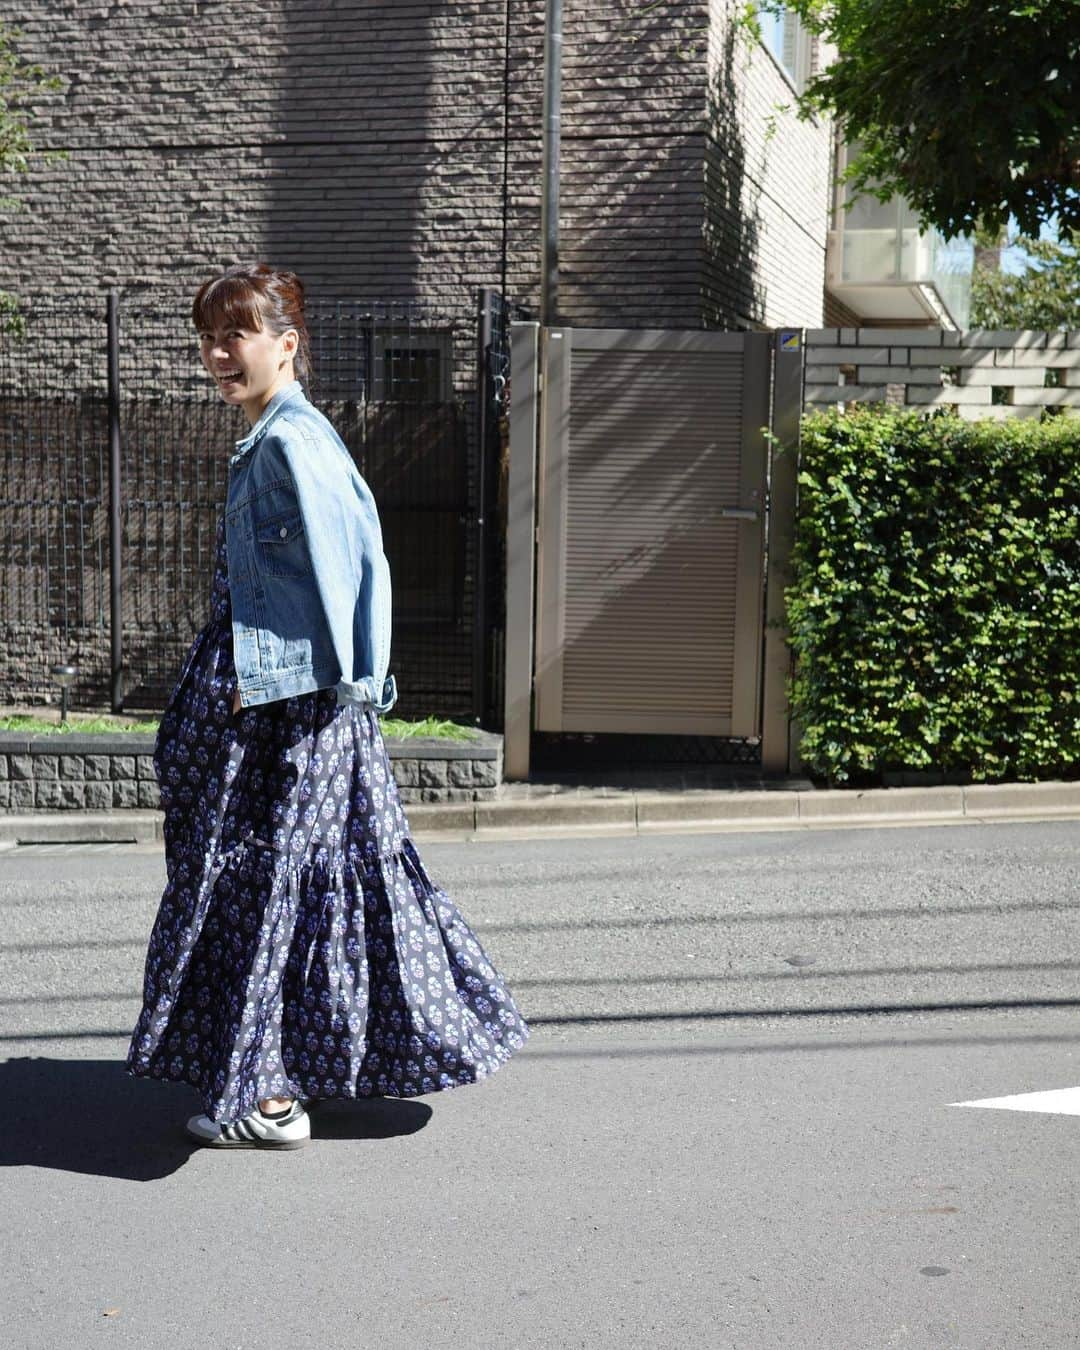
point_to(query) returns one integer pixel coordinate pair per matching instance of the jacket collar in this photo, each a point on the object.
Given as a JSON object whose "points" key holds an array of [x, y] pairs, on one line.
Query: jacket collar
{"points": [[283, 396]]}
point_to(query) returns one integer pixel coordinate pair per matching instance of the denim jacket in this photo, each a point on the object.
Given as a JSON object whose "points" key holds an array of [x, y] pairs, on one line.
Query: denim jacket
{"points": [[308, 583]]}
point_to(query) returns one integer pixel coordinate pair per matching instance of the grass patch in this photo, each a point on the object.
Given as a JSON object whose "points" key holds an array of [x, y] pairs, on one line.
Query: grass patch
{"points": [[75, 725], [433, 728]]}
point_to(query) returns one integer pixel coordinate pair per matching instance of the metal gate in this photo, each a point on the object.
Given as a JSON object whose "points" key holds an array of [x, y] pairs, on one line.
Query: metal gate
{"points": [[650, 532], [647, 531]]}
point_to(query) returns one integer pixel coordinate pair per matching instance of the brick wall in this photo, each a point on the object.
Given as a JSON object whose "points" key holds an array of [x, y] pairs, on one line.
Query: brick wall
{"points": [[361, 144], [393, 149], [369, 146], [767, 188], [633, 104], [979, 374]]}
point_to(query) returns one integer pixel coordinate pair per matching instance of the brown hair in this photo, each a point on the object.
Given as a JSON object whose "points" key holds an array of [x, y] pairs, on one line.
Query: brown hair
{"points": [[255, 296]]}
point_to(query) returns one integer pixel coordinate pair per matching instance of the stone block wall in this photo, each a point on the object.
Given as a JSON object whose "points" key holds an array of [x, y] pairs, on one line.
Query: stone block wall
{"points": [[116, 772], [77, 779], [980, 374], [463, 772], [362, 144], [632, 147]]}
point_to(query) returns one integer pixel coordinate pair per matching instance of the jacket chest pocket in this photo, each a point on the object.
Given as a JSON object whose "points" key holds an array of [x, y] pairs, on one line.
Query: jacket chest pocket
{"points": [[281, 545]]}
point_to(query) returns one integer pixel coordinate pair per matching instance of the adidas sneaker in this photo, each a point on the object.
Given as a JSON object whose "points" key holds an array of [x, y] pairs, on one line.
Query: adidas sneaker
{"points": [[286, 1129]]}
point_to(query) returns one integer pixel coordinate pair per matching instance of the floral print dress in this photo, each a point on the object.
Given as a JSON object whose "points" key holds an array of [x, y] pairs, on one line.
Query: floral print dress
{"points": [[300, 948]]}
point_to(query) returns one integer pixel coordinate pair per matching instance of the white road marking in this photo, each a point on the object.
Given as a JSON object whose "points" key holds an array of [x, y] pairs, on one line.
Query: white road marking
{"points": [[1059, 1101]]}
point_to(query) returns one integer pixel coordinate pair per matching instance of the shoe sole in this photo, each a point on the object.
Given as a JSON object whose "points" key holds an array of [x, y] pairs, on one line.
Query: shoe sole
{"points": [[282, 1144]]}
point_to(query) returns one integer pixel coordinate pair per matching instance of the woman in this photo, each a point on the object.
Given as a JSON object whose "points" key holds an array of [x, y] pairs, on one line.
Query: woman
{"points": [[300, 950]]}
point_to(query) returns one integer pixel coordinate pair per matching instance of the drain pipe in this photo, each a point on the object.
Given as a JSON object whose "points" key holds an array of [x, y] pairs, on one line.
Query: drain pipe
{"points": [[549, 201], [116, 523]]}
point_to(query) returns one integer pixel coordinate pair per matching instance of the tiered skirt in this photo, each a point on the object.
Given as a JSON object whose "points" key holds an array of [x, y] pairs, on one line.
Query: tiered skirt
{"points": [[300, 948]]}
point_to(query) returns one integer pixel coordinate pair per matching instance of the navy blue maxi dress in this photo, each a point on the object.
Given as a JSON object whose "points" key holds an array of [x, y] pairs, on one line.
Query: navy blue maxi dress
{"points": [[300, 948]]}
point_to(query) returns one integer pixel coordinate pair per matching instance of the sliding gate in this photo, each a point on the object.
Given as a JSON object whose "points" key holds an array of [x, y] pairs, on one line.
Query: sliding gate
{"points": [[650, 532]]}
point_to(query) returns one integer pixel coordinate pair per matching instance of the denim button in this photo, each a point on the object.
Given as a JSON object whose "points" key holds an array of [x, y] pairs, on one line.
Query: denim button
{"points": [[284, 532]]}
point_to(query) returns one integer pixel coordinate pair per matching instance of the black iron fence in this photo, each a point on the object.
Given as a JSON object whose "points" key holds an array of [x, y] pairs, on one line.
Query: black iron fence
{"points": [[114, 449], [496, 314]]}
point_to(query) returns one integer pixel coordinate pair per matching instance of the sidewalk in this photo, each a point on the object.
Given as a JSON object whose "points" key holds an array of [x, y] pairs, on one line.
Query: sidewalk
{"points": [[526, 810]]}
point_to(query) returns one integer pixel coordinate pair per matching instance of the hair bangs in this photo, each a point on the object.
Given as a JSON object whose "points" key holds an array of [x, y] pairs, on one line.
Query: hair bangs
{"points": [[227, 302]]}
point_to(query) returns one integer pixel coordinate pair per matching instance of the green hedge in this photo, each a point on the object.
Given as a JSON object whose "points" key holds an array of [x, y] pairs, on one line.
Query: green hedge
{"points": [[935, 605]]}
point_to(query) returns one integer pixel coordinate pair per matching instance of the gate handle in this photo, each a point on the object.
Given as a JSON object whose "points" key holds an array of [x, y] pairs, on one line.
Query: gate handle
{"points": [[737, 513]]}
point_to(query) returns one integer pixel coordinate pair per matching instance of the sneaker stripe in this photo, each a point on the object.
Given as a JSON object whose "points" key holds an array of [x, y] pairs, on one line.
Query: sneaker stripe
{"points": [[259, 1128]]}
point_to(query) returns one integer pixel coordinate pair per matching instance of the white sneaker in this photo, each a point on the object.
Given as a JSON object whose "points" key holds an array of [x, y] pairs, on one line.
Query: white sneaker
{"points": [[288, 1129]]}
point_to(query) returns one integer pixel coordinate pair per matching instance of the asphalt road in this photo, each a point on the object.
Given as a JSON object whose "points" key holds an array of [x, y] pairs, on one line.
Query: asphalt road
{"points": [[732, 1125]]}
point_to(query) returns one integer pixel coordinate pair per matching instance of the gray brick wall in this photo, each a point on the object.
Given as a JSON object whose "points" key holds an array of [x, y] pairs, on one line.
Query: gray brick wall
{"points": [[631, 209], [997, 374]]}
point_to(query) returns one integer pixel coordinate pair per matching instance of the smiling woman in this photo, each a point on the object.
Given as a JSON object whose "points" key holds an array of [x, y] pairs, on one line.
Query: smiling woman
{"points": [[252, 335], [300, 950]]}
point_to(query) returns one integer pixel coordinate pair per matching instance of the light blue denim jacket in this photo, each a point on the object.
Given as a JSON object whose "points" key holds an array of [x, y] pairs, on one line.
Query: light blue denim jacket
{"points": [[309, 585]]}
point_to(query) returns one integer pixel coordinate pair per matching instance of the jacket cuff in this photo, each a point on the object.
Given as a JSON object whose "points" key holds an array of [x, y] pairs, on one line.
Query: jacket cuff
{"points": [[363, 691]]}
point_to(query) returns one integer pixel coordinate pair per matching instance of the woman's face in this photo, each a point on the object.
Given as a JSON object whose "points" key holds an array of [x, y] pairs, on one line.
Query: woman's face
{"points": [[248, 366]]}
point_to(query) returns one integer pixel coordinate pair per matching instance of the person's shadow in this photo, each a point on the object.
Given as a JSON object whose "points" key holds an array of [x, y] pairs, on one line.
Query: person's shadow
{"points": [[90, 1115]]}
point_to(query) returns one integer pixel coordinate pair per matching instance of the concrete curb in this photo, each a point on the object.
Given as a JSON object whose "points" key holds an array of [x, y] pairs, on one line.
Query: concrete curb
{"points": [[583, 812], [82, 827]]}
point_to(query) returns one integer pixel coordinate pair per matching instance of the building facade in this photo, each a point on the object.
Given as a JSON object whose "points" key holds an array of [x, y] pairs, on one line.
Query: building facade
{"points": [[395, 149], [390, 152]]}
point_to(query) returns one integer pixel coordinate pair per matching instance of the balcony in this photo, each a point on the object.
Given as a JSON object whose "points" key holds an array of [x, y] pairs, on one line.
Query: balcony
{"points": [[880, 265]]}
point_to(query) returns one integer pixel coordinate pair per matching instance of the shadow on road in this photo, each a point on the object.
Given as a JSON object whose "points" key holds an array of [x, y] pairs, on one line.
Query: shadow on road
{"points": [[89, 1115], [369, 1118]]}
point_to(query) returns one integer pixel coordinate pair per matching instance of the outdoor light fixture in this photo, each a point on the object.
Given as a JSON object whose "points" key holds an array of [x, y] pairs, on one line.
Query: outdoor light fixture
{"points": [[64, 677]]}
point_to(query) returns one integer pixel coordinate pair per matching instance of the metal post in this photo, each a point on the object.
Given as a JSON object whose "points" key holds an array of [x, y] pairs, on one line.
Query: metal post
{"points": [[115, 607], [520, 548], [552, 133], [778, 750], [480, 606]]}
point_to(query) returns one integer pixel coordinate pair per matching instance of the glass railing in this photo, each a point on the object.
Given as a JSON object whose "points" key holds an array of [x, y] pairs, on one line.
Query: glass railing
{"points": [[875, 255], [880, 244], [952, 261]]}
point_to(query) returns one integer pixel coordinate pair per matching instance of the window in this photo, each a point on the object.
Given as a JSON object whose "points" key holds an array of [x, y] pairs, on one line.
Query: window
{"points": [[413, 366], [783, 34]]}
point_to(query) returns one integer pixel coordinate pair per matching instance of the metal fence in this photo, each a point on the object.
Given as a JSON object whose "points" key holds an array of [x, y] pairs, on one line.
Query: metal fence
{"points": [[416, 394], [496, 314]]}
